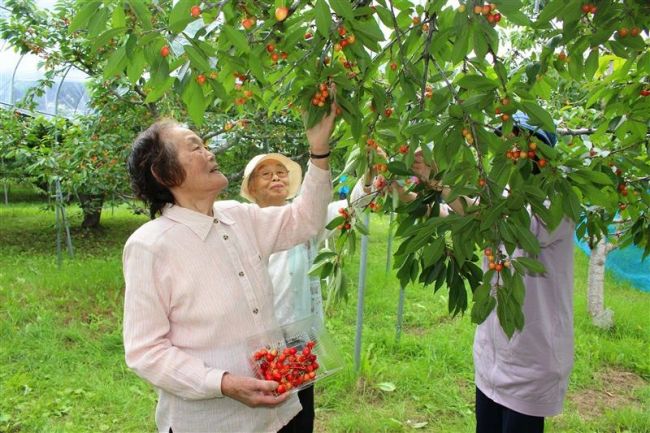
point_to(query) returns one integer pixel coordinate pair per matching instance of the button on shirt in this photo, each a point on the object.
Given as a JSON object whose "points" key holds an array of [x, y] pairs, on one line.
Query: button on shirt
{"points": [[196, 291]]}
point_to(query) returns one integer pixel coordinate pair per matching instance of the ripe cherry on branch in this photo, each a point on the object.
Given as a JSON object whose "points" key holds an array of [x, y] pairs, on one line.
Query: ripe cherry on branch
{"points": [[248, 23], [281, 13], [164, 51], [321, 96], [195, 11]]}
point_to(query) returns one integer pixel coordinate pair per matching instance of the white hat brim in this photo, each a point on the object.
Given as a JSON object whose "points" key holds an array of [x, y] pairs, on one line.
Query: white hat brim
{"points": [[295, 174]]}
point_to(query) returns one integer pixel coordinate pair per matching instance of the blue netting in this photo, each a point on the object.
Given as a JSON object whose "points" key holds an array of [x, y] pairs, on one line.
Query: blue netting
{"points": [[626, 264]]}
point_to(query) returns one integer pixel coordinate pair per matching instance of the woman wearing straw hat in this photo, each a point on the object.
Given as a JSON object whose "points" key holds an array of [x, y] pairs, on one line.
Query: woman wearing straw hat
{"points": [[197, 286], [271, 180]]}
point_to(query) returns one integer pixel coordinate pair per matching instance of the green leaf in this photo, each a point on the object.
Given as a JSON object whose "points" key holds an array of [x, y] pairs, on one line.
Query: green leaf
{"points": [[180, 15], [461, 45], [97, 23], [361, 227], [419, 128], [343, 8], [102, 39], [143, 14], [323, 18], [116, 63], [335, 223], [508, 311], [83, 16], [136, 66], [197, 58], [399, 168], [484, 303], [526, 239], [237, 38], [159, 90], [194, 101], [532, 265], [118, 18], [550, 11], [477, 82], [538, 115], [594, 176], [591, 65], [433, 252]]}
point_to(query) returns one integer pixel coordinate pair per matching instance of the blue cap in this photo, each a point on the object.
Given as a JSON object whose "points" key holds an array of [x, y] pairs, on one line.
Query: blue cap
{"points": [[522, 121]]}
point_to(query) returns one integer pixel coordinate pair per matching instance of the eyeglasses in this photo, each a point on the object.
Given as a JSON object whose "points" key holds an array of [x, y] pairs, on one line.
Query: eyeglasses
{"points": [[268, 175]]}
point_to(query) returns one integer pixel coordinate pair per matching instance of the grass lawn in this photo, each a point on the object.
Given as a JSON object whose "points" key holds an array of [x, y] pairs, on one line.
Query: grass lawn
{"points": [[62, 363]]}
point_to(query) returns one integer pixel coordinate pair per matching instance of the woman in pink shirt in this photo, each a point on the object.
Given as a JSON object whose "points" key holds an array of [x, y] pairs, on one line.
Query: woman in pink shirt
{"points": [[523, 379], [197, 285]]}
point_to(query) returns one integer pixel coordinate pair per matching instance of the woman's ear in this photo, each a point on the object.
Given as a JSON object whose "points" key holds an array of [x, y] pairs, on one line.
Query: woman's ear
{"points": [[155, 176]]}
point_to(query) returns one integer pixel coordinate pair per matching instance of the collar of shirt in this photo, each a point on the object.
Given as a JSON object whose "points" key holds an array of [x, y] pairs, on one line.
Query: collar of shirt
{"points": [[197, 222]]}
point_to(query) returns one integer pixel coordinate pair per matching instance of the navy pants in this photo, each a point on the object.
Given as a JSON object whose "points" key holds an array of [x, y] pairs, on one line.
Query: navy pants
{"points": [[303, 422], [491, 417]]}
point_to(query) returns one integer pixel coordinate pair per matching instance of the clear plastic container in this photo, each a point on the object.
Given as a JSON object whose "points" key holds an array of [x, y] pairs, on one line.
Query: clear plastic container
{"points": [[295, 355]]}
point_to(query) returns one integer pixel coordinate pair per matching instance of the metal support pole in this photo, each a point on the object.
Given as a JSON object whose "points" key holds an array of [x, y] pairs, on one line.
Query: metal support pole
{"points": [[400, 314], [360, 297], [61, 221], [389, 243]]}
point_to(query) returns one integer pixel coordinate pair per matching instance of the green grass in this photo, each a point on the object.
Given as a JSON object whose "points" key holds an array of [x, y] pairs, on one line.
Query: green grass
{"points": [[63, 364]]}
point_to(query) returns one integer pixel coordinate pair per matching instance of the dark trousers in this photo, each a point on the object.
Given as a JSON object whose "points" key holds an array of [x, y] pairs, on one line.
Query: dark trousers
{"points": [[303, 422], [491, 417]]}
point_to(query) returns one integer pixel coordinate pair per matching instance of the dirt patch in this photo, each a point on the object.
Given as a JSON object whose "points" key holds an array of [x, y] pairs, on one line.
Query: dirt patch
{"points": [[614, 389]]}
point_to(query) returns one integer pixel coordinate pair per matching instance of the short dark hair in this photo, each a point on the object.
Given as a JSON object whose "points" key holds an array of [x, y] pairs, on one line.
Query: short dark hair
{"points": [[154, 168]]}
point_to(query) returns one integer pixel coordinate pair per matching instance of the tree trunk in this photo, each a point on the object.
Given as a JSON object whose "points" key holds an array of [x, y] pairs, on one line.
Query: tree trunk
{"points": [[601, 317], [91, 205]]}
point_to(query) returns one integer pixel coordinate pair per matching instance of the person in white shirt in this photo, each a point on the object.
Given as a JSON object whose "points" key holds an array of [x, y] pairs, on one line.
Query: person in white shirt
{"points": [[271, 180], [197, 286]]}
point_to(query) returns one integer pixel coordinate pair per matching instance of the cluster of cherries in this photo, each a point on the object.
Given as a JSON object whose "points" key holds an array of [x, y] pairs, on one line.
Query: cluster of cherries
{"points": [[468, 136], [320, 96], [515, 153], [274, 54], [488, 10], [345, 40], [493, 264], [346, 215], [290, 368], [374, 206], [589, 8]]}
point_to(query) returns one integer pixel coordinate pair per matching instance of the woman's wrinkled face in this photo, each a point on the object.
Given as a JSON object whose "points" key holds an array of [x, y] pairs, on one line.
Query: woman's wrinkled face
{"points": [[202, 175], [269, 184]]}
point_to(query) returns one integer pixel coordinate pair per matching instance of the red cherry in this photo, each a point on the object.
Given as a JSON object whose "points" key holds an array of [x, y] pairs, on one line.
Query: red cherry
{"points": [[195, 11], [281, 13], [164, 51]]}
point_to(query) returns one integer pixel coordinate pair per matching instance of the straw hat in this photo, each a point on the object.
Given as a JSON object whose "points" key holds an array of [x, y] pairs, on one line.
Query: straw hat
{"points": [[295, 173]]}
